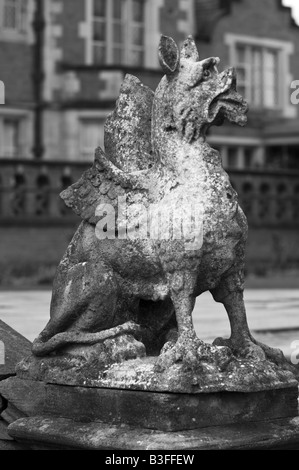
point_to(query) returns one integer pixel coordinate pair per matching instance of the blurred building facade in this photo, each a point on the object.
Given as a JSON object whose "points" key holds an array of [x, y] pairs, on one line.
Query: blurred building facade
{"points": [[62, 63], [88, 45]]}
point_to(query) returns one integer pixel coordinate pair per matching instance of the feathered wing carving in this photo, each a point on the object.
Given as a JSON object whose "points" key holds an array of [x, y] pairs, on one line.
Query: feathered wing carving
{"points": [[125, 168], [103, 183]]}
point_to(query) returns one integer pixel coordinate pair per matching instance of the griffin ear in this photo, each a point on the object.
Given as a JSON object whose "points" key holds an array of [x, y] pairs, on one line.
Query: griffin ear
{"points": [[189, 50], [169, 55]]}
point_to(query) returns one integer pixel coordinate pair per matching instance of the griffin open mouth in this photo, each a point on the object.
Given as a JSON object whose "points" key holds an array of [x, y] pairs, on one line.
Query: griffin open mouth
{"points": [[228, 103]]}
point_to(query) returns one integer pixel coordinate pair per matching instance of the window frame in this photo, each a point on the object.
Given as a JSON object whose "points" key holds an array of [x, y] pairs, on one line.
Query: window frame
{"points": [[283, 49], [20, 32], [127, 22], [12, 151], [248, 68], [87, 153]]}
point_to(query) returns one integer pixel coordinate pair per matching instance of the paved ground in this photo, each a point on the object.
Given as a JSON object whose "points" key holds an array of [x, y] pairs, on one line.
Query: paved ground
{"points": [[273, 313]]}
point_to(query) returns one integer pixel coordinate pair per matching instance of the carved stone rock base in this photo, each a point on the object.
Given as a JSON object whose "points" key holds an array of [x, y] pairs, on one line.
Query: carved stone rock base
{"points": [[150, 410]]}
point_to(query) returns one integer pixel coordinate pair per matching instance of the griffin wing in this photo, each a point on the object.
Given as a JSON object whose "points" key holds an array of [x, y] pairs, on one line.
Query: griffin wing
{"points": [[128, 127], [125, 167], [104, 183]]}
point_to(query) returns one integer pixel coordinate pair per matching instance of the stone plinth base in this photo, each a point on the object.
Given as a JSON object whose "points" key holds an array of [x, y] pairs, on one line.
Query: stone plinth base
{"points": [[151, 410], [225, 373], [60, 433]]}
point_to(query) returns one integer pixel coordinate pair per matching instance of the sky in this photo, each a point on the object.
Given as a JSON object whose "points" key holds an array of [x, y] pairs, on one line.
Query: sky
{"points": [[295, 7]]}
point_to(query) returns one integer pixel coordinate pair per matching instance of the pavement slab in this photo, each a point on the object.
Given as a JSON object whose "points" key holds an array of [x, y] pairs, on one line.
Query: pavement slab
{"points": [[274, 313]]}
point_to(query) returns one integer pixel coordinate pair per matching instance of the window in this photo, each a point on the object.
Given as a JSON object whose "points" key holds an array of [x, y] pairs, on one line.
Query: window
{"points": [[13, 15], [11, 138], [118, 32], [91, 137], [282, 156], [258, 75], [249, 154], [263, 69], [232, 157]]}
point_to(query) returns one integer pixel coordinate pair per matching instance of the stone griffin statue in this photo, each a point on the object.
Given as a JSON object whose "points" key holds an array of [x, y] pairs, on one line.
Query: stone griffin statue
{"points": [[119, 298]]}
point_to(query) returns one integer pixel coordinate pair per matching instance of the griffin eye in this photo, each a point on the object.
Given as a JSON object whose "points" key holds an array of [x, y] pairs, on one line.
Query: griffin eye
{"points": [[206, 74]]}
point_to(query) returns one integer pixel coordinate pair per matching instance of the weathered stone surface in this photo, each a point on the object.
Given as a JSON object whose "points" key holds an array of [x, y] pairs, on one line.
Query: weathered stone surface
{"points": [[65, 433], [11, 445], [2, 404], [6, 441], [3, 432], [234, 375], [162, 411], [16, 347], [23, 397], [11, 413], [128, 128], [127, 286]]}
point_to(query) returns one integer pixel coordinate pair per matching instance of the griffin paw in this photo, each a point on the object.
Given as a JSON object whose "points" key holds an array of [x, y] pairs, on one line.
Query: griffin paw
{"points": [[245, 348], [185, 350], [276, 355]]}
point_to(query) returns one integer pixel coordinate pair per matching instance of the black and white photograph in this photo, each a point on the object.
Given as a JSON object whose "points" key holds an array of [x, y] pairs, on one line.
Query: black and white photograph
{"points": [[149, 227]]}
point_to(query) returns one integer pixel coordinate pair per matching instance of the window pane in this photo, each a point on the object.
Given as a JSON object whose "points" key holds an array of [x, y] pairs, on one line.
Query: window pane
{"points": [[99, 8], [274, 157], [117, 9], [232, 157], [99, 31], [11, 138], [23, 15], [136, 57], [138, 10], [118, 55], [293, 158], [91, 136], [10, 14], [240, 54], [137, 36], [270, 80], [257, 77], [249, 157], [99, 54], [241, 75], [117, 33]]}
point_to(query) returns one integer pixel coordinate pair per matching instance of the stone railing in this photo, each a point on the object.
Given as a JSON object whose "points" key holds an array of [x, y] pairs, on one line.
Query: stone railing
{"points": [[268, 198], [29, 190], [29, 193]]}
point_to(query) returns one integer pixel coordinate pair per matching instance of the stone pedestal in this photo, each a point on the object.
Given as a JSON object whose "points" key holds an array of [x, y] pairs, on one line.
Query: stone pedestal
{"points": [[68, 417], [148, 410], [61, 433]]}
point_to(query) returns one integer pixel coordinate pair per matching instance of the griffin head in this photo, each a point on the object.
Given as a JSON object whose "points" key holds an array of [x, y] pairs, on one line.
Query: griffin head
{"points": [[194, 95]]}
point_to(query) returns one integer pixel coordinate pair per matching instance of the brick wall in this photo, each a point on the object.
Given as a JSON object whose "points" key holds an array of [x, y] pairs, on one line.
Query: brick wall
{"points": [[16, 72], [70, 42]]}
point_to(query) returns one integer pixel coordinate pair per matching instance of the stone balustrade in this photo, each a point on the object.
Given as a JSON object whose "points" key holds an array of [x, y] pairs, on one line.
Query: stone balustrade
{"points": [[268, 198], [29, 192]]}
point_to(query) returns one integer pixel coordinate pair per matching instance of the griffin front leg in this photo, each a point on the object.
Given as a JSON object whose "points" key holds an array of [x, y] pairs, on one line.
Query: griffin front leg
{"points": [[185, 349], [241, 341]]}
